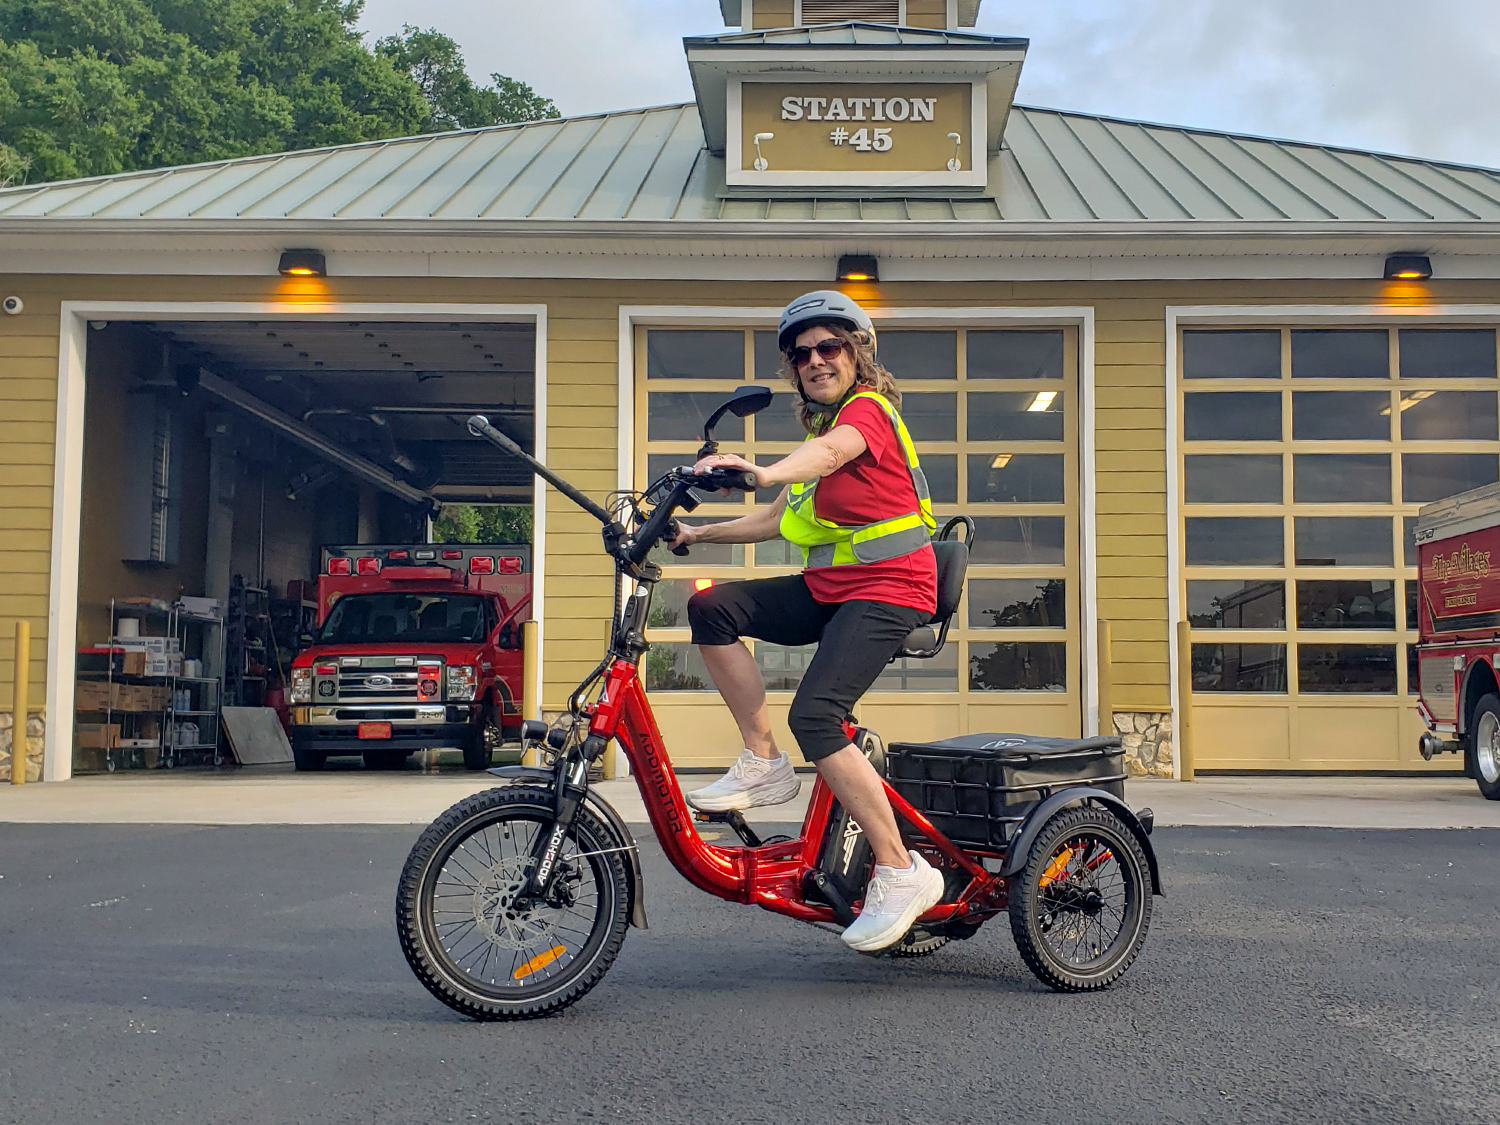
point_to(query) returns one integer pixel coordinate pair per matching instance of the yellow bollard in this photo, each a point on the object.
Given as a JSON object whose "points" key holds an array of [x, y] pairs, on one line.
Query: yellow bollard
{"points": [[1106, 677], [531, 680], [19, 702], [1184, 730]]}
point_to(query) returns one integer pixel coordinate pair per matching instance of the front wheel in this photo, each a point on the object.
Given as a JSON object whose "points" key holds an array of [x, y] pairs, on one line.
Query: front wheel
{"points": [[470, 941], [1484, 753], [1080, 907]]}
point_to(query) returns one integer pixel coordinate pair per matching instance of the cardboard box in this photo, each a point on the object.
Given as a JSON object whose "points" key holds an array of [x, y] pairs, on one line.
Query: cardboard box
{"points": [[97, 736], [132, 663], [170, 665], [95, 695]]}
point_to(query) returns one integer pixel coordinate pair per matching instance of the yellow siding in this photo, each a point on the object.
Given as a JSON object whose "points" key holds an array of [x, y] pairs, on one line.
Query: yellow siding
{"points": [[927, 13], [773, 13], [583, 328]]}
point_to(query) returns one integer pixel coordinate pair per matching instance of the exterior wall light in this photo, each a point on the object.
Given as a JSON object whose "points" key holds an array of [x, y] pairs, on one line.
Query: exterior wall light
{"points": [[303, 263], [858, 267], [1408, 267]]}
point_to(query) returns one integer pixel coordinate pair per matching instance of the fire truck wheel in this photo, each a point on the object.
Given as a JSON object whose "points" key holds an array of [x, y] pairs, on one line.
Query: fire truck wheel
{"points": [[479, 751], [1484, 749], [308, 761]]}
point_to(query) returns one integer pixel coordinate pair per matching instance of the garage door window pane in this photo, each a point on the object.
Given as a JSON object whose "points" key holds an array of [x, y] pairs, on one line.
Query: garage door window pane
{"points": [[1413, 683], [777, 422], [1014, 355], [920, 355], [679, 416], [930, 417], [1447, 353], [937, 673], [1234, 541], [1015, 416], [941, 471], [1018, 540], [1319, 353], [767, 356], [1232, 416], [669, 603], [1233, 603], [1343, 541], [675, 666], [1408, 540], [1233, 478], [1448, 415], [1346, 669], [1346, 605], [1341, 416], [1015, 478], [1231, 355], [776, 552], [1017, 603], [1431, 476], [1341, 478], [1412, 590], [702, 554], [1239, 668], [695, 355], [1018, 666], [782, 666]]}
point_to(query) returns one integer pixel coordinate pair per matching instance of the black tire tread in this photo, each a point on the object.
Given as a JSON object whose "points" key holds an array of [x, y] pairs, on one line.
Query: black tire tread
{"points": [[1489, 792], [1065, 822], [408, 923]]}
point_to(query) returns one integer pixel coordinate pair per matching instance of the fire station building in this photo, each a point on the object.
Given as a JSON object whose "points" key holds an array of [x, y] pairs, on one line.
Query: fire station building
{"points": [[1174, 375]]}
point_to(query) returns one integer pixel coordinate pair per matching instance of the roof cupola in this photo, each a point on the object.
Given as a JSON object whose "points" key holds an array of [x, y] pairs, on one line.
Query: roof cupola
{"points": [[771, 15]]}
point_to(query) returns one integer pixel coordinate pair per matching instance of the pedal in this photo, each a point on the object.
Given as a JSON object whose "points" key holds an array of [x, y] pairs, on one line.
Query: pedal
{"points": [[735, 820]]}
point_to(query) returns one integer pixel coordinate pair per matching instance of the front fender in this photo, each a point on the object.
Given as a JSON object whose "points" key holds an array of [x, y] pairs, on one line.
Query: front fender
{"points": [[1036, 820], [520, 774]]}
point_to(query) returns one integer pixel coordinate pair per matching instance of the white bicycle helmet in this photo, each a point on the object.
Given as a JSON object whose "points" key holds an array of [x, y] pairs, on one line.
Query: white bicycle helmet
{"points": [[819, 307]]}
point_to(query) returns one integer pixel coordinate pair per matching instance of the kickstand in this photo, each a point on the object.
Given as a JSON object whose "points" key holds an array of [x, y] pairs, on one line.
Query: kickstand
{"points": [[734, 820]]}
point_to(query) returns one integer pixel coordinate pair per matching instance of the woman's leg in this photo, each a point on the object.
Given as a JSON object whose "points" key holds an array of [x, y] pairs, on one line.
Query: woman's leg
{"points": [[856, 645], [738, 679]]}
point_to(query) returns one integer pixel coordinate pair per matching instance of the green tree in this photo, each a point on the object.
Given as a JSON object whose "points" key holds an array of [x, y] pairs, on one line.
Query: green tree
{"points": [[483, 523], [91, 87], [437, 66]]}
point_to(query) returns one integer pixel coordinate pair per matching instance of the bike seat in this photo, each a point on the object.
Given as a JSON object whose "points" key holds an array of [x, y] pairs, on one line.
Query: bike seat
{"points": [[952, 563]]}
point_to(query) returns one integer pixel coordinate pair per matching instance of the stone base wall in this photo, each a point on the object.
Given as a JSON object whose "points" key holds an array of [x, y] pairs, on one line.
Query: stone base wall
{"points": [[35, 728], [1148, 742]]}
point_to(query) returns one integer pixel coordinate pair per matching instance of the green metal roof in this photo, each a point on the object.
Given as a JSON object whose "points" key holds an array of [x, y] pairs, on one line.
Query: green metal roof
{"points": [[850, 33], [651, 164]]}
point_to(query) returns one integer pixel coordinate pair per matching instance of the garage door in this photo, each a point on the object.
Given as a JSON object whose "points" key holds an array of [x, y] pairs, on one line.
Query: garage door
{"points": [[994, 415], [1306, 453]]}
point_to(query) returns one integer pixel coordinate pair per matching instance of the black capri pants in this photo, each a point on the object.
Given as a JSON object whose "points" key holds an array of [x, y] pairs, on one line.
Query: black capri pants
{"points": [[855, 642]]}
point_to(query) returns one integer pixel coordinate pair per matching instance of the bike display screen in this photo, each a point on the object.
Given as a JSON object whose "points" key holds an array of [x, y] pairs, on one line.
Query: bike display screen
{"points": [[395, 618]]}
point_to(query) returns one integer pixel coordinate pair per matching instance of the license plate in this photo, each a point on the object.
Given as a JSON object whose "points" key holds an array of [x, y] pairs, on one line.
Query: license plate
{"points": [[374, 730]]}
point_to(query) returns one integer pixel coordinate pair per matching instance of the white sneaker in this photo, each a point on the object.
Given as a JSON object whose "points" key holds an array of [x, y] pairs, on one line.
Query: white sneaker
{"points": [[894, 900], [750, 782]]}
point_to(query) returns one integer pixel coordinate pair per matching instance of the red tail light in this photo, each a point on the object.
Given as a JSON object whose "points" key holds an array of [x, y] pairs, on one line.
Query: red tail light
{"points": [[509, 564], [367, 566], [701, 584], [339, 567], [396, 555], [453, 554], [481, 564]]}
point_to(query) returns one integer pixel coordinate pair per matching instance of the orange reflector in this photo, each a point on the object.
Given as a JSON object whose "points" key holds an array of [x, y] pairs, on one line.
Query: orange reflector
{"points": [[1056, 867], [701, 584], [540, 961]]}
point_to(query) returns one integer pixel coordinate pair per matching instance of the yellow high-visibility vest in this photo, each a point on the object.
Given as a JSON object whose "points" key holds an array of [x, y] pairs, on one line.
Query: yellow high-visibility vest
{"points": [[825, 543]]}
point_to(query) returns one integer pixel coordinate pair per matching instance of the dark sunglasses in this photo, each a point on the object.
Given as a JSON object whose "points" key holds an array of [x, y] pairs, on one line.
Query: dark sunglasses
{"points": [[827, 351]]}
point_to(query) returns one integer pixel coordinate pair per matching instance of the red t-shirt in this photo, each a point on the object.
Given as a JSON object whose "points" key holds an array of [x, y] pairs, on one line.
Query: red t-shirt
{"points": [[876, 485]]}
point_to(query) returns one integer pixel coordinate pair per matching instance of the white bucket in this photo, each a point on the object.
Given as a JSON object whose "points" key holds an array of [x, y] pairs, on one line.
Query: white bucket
{"points": [[128, 627]]}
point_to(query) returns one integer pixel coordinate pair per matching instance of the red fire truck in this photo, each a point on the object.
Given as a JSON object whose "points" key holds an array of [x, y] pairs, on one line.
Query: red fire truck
{"points": [[417, 646], [1458, 550]]}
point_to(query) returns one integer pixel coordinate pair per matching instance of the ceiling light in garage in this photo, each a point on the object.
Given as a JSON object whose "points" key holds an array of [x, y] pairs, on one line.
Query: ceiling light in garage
{"points": [[303, 263]]}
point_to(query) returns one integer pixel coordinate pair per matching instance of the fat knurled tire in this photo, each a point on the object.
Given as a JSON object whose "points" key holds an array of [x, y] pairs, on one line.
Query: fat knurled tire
{"points": [[913, 945], [611, 919], [1026, 914]]}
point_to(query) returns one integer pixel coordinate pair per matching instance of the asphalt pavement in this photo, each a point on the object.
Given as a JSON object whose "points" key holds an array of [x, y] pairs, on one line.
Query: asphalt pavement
{"points": [[252, 974]]}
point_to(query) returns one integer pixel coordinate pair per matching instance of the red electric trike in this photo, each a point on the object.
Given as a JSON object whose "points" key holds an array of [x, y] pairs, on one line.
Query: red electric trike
{"points": [[515, 901]]}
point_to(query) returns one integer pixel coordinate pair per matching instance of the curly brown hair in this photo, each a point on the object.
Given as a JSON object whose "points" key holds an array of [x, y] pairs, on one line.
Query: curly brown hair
{"points": [[868, 375]]}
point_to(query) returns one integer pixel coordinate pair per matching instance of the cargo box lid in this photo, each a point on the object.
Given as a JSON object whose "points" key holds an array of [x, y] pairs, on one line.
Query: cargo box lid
{"points": [[1460, 514], [1004, 745]]}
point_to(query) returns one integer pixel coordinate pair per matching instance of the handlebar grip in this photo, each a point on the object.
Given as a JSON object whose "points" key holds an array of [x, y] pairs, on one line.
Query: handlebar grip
{"points": [[715, 479], [681, 549]]}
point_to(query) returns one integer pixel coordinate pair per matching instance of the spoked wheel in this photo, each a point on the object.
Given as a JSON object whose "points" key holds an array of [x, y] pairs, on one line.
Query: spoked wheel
{"points": [[469, 938], [1080, 907]]}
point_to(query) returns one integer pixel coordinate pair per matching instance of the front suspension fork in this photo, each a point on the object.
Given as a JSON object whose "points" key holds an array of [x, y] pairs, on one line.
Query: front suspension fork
{"points": [[570, 786]]}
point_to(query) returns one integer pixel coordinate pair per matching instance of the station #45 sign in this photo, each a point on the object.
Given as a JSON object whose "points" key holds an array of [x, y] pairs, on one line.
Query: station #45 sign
{"points": [[866, 130]]}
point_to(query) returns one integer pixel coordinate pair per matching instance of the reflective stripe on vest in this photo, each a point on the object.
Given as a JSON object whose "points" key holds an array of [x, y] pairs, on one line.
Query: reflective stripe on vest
{"points": [[825, 543]]}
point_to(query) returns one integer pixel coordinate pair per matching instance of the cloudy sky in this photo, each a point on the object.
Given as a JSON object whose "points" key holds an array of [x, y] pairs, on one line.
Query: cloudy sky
{"points": [[1394, 75]]}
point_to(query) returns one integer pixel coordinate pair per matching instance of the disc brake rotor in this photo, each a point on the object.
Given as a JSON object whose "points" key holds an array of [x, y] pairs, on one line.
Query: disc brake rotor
{"points": [[494, 915]]}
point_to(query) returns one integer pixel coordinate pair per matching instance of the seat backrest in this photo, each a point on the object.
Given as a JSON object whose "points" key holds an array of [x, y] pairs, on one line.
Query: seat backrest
{"points": [[952, 564]]}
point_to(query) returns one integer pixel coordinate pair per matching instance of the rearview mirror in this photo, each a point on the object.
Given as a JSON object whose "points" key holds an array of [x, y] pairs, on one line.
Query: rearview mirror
{"points": [[745, 401]]}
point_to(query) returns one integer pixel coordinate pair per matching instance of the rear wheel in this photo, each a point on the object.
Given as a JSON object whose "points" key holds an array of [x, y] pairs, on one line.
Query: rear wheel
{"points": [[1080, 907], [479, 751], [479, 949], [1484, 753]]}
